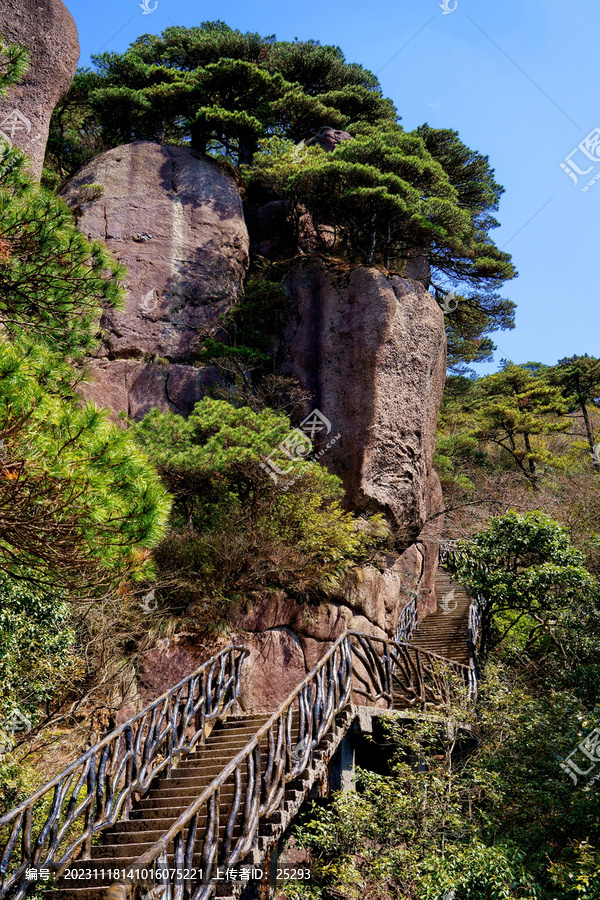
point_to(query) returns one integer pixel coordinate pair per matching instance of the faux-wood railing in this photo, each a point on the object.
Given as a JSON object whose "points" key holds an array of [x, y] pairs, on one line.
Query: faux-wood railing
{"points": [[61, 819]]}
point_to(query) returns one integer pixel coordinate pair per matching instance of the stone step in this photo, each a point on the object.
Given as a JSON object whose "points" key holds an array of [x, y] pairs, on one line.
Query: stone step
{"points": [[183, 797], [141, 841]]}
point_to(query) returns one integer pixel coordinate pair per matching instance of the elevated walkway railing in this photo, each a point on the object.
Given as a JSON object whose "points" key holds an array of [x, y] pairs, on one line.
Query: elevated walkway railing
{"points": [[61, 819], [451, 552], [356, 664], [57, 824]]}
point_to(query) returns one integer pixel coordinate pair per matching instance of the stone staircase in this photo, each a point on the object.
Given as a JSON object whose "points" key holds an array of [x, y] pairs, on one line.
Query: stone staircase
{"points": [[127, 840], [445, 631], [170, 796]]}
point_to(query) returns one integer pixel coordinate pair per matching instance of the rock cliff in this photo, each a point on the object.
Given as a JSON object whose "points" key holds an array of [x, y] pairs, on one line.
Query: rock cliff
{"points": [[175, 220], [46, 29], [368, 348]]}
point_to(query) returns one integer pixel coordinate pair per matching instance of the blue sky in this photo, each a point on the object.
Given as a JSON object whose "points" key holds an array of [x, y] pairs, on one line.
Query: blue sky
{"points": [[519, 82]]}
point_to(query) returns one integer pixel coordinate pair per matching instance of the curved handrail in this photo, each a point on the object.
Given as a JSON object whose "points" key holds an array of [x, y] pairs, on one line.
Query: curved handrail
{"points": [[408, 619], [322, 694], [263, 793], [97, 789], [450, 553]]}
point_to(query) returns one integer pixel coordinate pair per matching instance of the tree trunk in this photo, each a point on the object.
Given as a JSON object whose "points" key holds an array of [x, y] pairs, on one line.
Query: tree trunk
{"points": [[590, 437], [533, 475], [247, 149]]}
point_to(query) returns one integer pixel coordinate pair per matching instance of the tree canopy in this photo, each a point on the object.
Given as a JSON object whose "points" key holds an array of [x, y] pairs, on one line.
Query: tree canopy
{"points": [[214, 88], [579, 379], [80, 505], [234, 531], [387, 195]]}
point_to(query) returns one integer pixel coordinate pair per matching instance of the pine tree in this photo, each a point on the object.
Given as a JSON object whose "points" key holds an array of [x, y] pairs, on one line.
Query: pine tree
{"points": [[579, 379], [214, 88], [387, 197], [80, 505], [514, 409]]}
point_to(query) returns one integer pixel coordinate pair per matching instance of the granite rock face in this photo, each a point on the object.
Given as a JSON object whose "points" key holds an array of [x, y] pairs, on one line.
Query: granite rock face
{"points": [[136, 387], [175, 220], [329, 138], [367, 347], [287, 639], [47, 30], [370, 350]]}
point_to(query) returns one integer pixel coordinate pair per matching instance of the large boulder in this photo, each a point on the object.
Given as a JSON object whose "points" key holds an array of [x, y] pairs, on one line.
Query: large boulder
{"points": [[370, 350], [174, 218], [47, 30]]}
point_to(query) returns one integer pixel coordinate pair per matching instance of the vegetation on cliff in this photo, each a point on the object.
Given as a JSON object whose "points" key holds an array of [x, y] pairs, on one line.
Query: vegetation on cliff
{"points": [[252, 101], [489, 813], [84, 515], [236, 533], [80, 504]]}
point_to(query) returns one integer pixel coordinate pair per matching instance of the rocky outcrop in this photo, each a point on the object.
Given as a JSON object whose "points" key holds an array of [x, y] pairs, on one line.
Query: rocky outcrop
{"points": [[289, 638], [369, 348], [137, 387], [175, 220], [46, 29], [329, 138]]}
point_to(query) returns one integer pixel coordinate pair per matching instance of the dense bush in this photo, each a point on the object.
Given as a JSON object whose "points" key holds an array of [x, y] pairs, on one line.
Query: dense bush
{"points": [[234, 531]]}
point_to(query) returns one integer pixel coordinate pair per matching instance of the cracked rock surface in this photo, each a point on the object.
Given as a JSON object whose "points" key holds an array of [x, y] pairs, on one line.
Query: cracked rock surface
{"points": [[47, 30], [175, 220]]}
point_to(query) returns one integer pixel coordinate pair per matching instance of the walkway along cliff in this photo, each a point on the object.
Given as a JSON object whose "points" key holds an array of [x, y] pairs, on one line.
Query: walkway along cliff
{"points": [[192, 785]]}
